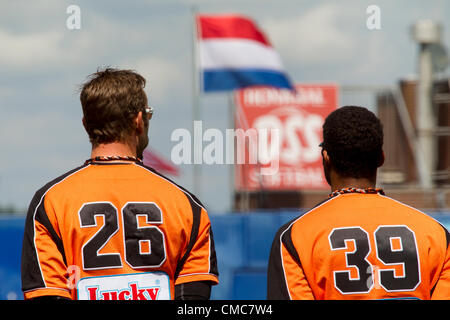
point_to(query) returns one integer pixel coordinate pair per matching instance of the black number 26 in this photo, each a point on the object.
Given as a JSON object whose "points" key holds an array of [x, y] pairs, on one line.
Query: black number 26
{"points": [[406, 256], [133, 235]]}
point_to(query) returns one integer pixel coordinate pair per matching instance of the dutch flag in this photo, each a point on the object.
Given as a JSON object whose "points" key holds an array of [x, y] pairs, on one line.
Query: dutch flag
{"points": [[234, 53]]}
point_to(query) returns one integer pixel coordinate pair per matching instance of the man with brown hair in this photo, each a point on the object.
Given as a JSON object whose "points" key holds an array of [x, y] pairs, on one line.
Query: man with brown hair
{"points": [[114, 229]]}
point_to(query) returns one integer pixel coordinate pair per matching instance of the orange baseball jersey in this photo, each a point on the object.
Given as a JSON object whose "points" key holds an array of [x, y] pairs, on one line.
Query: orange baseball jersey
{"points": [[109, 231], [360, 246]]}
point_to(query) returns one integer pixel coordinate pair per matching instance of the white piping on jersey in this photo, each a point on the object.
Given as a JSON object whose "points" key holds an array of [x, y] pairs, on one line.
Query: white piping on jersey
{"points": [[196, 274], [209, 252], [43, 288], [34, 219], [187, 193], [281, 236]]}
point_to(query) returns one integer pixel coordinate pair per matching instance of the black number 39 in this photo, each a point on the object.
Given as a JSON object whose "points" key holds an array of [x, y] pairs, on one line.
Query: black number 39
{"points": [[406, 255], [133, 235]]}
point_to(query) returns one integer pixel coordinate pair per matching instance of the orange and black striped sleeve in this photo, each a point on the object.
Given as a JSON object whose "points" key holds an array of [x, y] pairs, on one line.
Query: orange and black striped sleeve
{"points": [[286, 279], [43, 264], [441, 290], [199, 262]]}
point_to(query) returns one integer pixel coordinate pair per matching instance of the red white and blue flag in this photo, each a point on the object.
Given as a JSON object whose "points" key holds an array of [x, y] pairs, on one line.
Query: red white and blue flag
{"points": [[235, 54]]}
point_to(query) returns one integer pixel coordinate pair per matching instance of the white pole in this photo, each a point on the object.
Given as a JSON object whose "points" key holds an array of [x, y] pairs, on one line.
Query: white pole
{"points": [[197, 154], [425, 33], [231, 124], [425, 117]]}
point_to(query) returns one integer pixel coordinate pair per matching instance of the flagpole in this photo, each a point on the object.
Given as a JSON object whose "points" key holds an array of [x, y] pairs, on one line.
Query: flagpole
{"points": [[197, 174], [231, 123]]}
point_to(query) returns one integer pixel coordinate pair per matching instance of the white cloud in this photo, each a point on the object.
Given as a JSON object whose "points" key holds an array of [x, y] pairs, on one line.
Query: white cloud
{"points": [[29, 50], [313, 37], [100, 40], [37, 131]]}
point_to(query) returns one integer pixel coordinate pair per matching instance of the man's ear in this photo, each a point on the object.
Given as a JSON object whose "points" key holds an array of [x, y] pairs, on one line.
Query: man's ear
{"points": [[325, 156], [139, 123]]}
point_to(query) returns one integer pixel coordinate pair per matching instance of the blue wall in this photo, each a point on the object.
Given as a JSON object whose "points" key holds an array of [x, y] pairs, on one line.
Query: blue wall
{"points": [[242, 242], [11, 233]]}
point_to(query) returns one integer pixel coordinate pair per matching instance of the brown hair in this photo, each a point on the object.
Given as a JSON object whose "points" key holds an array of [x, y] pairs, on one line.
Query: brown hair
{"points": [[110, 99]]}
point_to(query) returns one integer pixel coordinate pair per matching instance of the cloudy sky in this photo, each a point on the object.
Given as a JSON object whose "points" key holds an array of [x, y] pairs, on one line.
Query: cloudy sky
{"points": [[42, 64]]}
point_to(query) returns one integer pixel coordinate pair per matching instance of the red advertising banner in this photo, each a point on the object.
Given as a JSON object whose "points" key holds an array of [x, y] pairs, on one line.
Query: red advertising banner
{"points": [[280, 134]]}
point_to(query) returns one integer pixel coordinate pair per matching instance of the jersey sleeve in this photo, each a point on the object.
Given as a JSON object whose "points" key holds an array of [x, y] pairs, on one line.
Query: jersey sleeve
{"points": [[199, 262], [441, 290], [43, 262], [286, 279]]}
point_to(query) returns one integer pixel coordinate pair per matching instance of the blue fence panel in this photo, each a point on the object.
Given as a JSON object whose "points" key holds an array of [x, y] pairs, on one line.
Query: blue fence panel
{"points": [[228, 239], [242, 241], [249, 284], [11, 236], [259, 230]]}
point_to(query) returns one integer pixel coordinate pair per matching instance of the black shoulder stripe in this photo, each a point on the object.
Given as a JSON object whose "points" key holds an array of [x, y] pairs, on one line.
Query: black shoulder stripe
{"points": [[196, 212], [447, 238], [41, 216], [447, 235], [30, 267], [213, 268], [276, 281], [40, 193], [286, 238]]}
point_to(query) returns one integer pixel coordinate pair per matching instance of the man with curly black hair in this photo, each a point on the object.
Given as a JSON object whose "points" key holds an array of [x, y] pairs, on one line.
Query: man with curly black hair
{"points": [[358, 243], [352, 147]]}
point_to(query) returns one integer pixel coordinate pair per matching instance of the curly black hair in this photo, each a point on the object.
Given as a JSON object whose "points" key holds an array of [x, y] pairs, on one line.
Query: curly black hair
{"points": [[353, 138]]}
